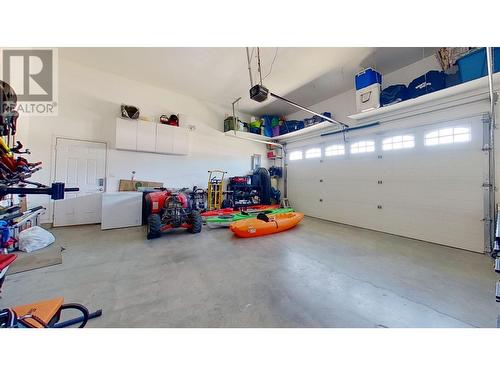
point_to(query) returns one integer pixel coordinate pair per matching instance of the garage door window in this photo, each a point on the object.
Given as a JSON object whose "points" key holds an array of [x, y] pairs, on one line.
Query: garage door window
{"points": [[295, 155], [335, 150], [313, 153], [362, 146], [447, 136], [398, 142]]}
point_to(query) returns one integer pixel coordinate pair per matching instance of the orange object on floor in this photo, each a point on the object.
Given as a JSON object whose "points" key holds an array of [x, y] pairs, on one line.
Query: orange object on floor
{"points": [[258, 227], [43, 310]]}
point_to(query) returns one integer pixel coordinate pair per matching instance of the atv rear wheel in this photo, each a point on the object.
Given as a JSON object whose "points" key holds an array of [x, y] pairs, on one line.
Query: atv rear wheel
{"points": [[154, 226], [196, 222]]}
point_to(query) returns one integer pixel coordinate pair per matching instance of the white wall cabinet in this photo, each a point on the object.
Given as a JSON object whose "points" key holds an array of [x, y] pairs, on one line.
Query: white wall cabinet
{"points": [[164, 139], [146, 136], [126, 134], [138, 135]]}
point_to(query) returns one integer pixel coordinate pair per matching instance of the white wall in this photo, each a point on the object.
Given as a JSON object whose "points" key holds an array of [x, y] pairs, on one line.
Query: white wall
{"points": [[88, 104]]}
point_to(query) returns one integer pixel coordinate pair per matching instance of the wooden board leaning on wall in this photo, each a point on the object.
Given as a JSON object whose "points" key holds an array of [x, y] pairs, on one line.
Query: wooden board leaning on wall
{"points": [[132, 185]]}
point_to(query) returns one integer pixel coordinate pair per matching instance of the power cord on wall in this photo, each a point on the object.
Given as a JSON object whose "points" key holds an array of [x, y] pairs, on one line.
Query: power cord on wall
{"points": [[272, 63]]}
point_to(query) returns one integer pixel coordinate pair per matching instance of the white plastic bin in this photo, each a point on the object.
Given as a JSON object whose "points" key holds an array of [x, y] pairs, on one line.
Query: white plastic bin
{"points": [[368, 98]]}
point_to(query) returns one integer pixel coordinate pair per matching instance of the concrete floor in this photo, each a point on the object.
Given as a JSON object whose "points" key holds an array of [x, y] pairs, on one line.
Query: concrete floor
{"points": [[319, 274]]}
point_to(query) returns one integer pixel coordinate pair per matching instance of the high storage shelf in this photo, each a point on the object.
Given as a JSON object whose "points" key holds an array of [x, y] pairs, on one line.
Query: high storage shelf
{"points": [[145, 136], [463, 93], [320, 126]]}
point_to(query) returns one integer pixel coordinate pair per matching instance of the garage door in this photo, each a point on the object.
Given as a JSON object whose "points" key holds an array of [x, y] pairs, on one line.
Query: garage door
{"points": [[421, 182]]}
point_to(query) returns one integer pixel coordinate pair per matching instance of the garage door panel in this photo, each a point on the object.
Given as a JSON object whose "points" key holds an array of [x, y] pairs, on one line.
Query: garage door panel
{"points": [[433, 224], [432, 193], [421, 193], [305, 196], [361, 214]]}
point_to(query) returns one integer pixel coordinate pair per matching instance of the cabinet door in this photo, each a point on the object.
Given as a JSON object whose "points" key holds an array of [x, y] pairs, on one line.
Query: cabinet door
{"points": [[181, 141], [146, 136], [164, 139], [126, 134]]}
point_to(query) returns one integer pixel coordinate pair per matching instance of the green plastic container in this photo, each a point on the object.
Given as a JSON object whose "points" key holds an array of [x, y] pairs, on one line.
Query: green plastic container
{"points": [[255, 124], [226, 220], [229, 124]]}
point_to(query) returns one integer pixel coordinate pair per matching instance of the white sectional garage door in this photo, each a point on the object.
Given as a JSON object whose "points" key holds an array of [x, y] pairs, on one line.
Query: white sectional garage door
{"points": [[423, 182]]}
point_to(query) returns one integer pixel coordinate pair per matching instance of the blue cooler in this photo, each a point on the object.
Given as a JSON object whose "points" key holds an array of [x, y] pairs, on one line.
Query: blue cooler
{"points": [[368, 86], [473, 65], [366, 78]]}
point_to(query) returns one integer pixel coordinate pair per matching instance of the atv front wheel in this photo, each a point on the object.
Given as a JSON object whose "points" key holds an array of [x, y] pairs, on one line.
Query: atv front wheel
{"points": [[196, 222], [154, 226]]}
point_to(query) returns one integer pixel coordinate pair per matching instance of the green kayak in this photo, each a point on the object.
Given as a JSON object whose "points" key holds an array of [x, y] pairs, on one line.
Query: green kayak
{"points": [[226, 220]]}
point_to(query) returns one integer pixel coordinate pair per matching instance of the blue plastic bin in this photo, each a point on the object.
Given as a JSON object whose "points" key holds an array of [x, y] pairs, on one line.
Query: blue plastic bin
{"points": [[473, 65], [291, 126], [366, 78], [452, 79]]}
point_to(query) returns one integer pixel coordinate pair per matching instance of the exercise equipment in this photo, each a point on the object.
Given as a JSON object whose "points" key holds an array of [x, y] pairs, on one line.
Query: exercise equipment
{"points": [[15, 171], [266, 224]]}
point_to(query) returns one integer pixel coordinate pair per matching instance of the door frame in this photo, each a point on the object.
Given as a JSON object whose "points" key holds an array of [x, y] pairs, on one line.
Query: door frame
{"points": [[54, 160]]}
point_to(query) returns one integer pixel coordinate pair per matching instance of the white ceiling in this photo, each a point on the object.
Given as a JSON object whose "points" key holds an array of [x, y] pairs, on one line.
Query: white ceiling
{"points": [[220, 75]]}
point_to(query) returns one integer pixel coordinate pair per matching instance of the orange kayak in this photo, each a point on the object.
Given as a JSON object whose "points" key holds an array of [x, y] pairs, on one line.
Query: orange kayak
{"points": [[266, 224]]}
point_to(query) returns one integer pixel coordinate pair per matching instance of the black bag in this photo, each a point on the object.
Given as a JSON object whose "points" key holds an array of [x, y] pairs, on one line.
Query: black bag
{"points": [[393, 94], [129, 111]]}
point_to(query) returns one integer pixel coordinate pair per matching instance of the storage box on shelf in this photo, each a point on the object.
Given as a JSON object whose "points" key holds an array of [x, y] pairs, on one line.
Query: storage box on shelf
{"points": [[368, 87], [473, 65], [464, 93], [368, 98], [145, 136], [429, 82]]}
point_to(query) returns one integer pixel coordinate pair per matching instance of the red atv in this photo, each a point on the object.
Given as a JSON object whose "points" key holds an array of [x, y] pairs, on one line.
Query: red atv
{"points": [[168, 210]]}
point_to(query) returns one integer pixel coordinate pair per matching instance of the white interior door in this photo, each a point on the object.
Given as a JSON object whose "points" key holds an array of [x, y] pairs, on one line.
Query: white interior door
{"points": [[80, 164], [430, 190]]}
